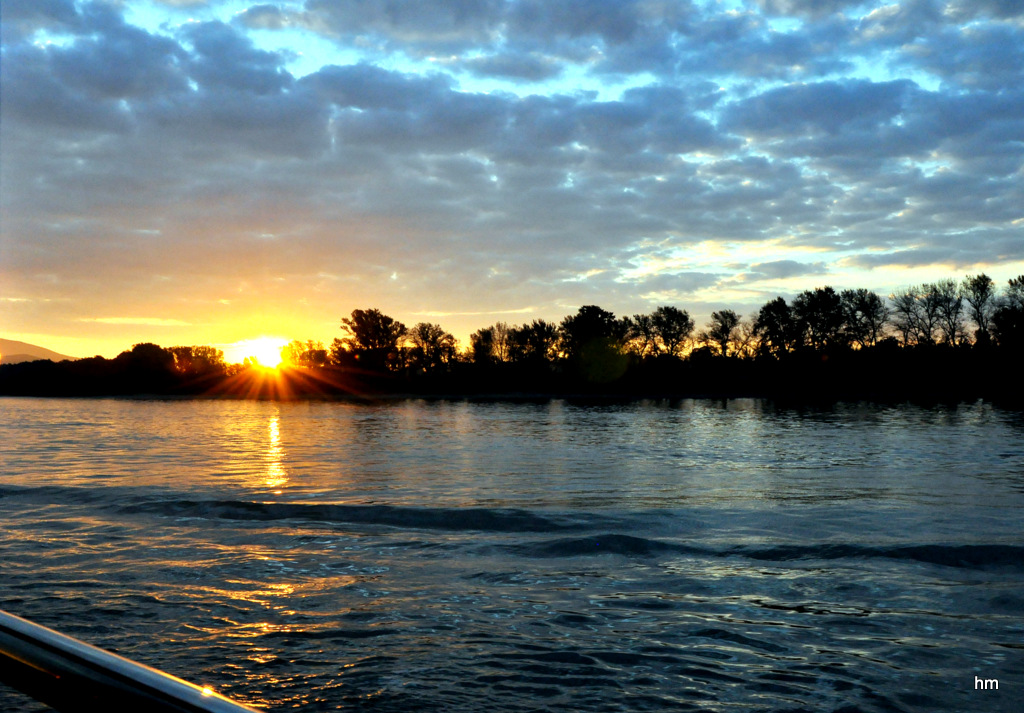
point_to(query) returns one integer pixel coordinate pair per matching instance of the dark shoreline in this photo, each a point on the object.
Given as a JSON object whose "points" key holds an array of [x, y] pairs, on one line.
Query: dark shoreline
{"points": [[935, 375]]}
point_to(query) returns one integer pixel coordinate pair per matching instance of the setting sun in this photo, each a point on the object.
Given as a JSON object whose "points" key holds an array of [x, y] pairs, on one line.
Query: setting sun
{"points": [[265, 350]]}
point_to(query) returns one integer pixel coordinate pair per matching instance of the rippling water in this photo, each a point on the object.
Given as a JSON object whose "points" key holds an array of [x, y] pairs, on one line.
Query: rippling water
{"points": [[700, 555]]}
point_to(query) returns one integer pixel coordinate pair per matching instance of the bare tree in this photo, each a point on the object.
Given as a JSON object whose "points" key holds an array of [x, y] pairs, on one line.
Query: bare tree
{"points": [[931, 306], [747, 341], [980, 293], [916, 313], [641, 339], [950, 309], [865, 315], [906, 314], [501, 343]]}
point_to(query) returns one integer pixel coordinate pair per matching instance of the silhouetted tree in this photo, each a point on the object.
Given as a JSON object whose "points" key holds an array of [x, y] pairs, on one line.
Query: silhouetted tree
{"points": [[640, 337], [1008, 327], [916, 313], [950, 306], [590, 325], [819, 316], [906, 314], [147, 367], [198, 360], [746, 342], [1015, 292], [498, 341], [182, 360], [432, 347], [979, 292], [339, 355], [481, 346], [592, 340], [1008, 319], [501, 347], [930, 313], [534, 343], [309, 353], [775, 327], [373, 340], [721, 331], [148, 356], [865, 315], [672, 329]]}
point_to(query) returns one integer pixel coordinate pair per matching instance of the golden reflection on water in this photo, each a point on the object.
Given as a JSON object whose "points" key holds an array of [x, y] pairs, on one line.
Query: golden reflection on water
{"points": [[275, 475]]}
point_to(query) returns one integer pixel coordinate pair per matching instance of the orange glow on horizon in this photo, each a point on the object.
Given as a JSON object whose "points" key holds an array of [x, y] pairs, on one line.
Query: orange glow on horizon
{"points": [[282, 383]]}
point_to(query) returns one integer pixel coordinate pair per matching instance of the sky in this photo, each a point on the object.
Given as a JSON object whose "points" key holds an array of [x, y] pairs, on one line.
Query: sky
{"points": [[188, 172]]}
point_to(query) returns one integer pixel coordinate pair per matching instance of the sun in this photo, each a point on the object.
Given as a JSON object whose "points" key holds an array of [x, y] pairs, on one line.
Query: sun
{"points": [[265, 350]]}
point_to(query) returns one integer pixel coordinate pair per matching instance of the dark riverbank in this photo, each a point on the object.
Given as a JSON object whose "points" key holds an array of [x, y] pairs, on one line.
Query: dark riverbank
{"points": [[880, 373]]}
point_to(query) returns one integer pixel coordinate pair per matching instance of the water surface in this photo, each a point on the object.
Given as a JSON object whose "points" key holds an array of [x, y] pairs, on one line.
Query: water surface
{"points": [[452, 556]]}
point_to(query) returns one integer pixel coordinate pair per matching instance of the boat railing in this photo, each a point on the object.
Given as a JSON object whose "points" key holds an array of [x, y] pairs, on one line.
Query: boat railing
{"points": [[70, 675]]}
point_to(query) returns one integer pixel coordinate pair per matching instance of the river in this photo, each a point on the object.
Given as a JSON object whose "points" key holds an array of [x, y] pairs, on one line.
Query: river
{"points": [[510, 557]]}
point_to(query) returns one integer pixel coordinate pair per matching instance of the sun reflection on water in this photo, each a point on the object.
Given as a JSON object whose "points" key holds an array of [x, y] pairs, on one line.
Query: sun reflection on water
{"points": [[275, 475]]}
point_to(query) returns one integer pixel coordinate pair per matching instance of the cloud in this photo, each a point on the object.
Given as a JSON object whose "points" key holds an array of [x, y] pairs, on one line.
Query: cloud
{"points": [[418, 26], [223, 57], [965, 10], [828, 107], [988, 57], [680, 282], [783, 269], [520, 66], [614, 21], [806, 8], [265, 17], [366, 87], [901, 23], [978, 247], [487, 151], [139, 321]]}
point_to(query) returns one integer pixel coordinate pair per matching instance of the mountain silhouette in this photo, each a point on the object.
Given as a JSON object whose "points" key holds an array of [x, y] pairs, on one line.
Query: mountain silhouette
{"points": [[12, 352]]}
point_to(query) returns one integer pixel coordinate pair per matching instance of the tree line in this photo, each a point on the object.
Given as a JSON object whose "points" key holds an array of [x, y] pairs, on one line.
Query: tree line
{"points": [[851, 340], [969, 313]]}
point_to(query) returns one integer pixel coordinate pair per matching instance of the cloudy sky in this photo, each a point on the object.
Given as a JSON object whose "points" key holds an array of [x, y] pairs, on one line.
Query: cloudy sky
{"points": [[189, 172]]}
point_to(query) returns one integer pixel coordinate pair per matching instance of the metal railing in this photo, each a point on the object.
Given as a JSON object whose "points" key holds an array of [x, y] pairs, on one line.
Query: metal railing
{"points": [[71, 675]]}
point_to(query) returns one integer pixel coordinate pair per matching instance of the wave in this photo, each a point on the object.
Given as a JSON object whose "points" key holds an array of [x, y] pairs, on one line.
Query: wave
{"points": [[608, 543], [129, 500], [607, 540], [452, 519], [964, 556]]}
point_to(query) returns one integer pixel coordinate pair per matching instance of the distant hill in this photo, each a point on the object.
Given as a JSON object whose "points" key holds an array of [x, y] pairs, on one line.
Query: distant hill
{"points": [[12, 352]]}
